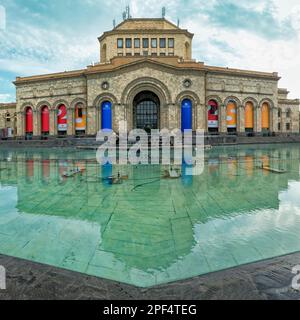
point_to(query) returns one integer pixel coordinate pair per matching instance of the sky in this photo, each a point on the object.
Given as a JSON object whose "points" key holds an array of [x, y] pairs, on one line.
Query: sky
{"points": [[44, 36]]}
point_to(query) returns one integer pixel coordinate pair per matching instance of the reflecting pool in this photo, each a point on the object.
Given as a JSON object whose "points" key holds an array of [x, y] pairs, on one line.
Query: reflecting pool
{"points": [[149, 230]]}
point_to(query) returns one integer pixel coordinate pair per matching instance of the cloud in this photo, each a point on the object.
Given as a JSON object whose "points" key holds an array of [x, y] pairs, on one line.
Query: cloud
{"points": [[259, 20], [50, 36]]}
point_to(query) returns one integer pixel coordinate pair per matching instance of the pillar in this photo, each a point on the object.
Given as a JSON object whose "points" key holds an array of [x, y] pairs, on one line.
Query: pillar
{"points": [[258, 119], [241, 119], [52, 119], [92, 120], [222, 119], [70, 113], [201, 118], [35, 123]]}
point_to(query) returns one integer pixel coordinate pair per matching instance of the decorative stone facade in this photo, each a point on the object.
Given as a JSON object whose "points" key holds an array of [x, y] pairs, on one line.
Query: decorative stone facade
{"points": [[169, 73], [8, 116]]}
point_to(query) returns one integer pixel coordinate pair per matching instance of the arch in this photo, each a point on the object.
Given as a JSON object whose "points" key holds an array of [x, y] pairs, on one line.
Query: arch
{"points": [[103, 97], [58, 103], [234, 99], [45, 120], [76, 101], [62, 119], [265, 117], [146, 111], [187, 95], [249, 116], [80, 118], [106, 115], [28, 122], [216, 98], [231, 115], [213, 115], [186, 114], [144, 84], [250, 99]]}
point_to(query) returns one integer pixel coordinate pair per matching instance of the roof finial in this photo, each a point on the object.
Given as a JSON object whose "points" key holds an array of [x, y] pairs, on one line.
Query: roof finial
{"points": [[163, 12], [114, 23], [178, 22]]}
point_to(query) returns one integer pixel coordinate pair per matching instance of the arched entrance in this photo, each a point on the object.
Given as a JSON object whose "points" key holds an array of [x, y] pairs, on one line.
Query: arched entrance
{"points": [[231, 117], [265, 118], [249, 117], [213, 116], [146, 106], [28, 123], [45, 121]]}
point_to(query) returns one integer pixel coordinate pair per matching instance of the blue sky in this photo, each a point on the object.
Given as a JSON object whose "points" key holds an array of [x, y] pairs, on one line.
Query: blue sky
{"points": [[43, 36]]}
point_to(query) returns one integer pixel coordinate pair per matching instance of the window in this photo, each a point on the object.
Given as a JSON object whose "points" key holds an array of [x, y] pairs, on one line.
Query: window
{"points": [[279, 113], [137, 54], [171, 54], [153, 43], [128, 54], [145, 53], [279, 126], [120, 54], [154, 54], [128, 43], [288, 126], [120, 44], [8, 117], [79, 112], [137, 43], [162, 54], [288, 114], [162, 42], [171, 43], [145, 43]]}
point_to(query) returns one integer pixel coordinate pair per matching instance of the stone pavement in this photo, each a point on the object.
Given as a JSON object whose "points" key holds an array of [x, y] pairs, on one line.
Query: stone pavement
{"points": [[269, 279]]}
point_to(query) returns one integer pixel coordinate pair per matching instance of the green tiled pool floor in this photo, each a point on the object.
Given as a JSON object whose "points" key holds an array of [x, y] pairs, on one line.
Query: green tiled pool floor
{"points": [[149, 231]]}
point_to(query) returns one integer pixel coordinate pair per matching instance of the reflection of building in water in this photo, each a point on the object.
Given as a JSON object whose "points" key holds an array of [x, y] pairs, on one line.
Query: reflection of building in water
{"points": [[155, 220]]}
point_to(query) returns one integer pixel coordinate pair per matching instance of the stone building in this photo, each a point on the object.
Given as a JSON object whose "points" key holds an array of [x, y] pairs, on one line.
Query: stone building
{"points": [[147, 77], [8, 117]]}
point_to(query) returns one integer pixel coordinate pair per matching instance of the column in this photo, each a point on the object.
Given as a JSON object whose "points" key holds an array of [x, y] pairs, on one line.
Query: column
{"points": [[201, 120], [52, 119], [241, 119], [20, 124], [222, 119], [35, 123], [92, 121], [70, 122], [258, 119]]}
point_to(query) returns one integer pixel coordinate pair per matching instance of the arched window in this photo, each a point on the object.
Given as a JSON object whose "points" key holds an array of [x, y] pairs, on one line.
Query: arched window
{"points": [[265, 117], [62, 120], [249, 117], [80, 119], [231, 116], [213, 116], [279, 113], [106, 115], [28, 123], [186, 115], [45, 121], [8, 117], [288, 113]]}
